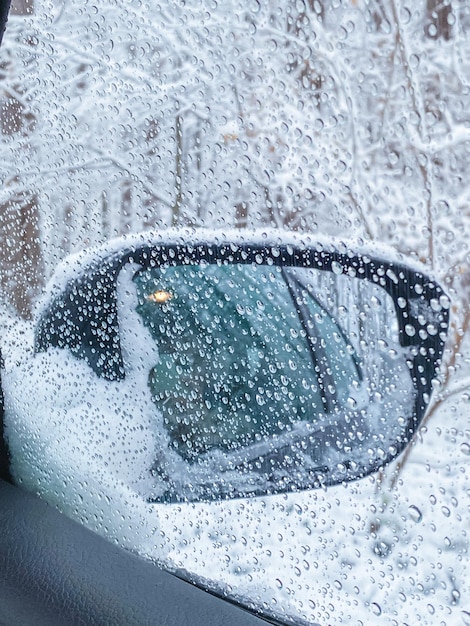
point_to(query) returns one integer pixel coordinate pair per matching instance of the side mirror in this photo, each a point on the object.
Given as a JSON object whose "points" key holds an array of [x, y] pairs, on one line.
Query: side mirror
{"points": [[226, 368]]}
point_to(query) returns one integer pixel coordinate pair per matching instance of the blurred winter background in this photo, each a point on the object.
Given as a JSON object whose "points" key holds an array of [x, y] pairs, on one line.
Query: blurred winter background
{"points": [[341, 117]]}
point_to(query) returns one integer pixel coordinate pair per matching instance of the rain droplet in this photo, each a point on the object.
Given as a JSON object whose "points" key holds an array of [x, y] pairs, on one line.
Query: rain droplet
{"points": [[445, 511], [465, 448], [376, 610], [405, 16], [444, 302], [415, 513], [260, 399]]}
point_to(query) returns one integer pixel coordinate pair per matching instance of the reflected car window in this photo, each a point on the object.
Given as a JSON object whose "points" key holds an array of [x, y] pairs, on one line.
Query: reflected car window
{"points": [[241, 357]]}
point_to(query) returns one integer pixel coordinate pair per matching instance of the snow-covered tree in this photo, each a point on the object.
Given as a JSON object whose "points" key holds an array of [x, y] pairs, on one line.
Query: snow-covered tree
{"points": [[347, 117]]}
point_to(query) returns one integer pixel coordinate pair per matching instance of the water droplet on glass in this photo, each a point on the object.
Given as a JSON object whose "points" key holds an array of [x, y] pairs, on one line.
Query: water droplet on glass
{"points": [[466, 618], [415, 513], [376, 610], [465, 448], [445, 511], [375, 302], [337, 268]]}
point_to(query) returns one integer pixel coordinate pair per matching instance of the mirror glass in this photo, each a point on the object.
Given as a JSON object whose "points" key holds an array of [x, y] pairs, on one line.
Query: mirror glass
{"points": [[270, 378]]}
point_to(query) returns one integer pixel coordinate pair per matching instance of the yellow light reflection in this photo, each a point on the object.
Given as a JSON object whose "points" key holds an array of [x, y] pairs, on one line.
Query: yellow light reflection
{"points": [[160, 296]]}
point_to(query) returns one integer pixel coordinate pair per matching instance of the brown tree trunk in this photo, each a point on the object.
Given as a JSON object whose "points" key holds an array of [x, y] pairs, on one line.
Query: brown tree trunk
{"points": [[21, 264], [437, 24], [22, 7]]}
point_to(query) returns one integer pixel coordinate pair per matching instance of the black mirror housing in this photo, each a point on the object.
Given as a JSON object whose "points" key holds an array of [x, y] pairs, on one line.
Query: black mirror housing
{"points": [[82, 317]]}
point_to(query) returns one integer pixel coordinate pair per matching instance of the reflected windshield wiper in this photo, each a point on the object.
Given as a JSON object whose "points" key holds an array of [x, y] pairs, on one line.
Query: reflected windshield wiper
{"points": [[312, 477], [317, 352]]}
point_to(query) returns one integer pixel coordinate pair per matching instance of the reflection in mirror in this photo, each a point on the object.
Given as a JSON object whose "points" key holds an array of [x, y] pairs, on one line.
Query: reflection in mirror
{"points": [[271, 378]]}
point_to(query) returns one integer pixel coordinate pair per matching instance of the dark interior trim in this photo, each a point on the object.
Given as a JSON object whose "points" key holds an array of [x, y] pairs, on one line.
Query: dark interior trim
{"points": [[53, 572], [4, 452]]}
